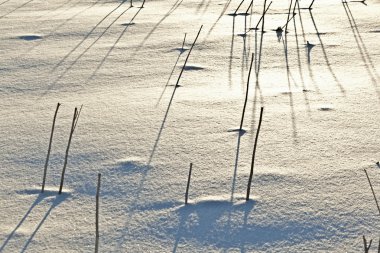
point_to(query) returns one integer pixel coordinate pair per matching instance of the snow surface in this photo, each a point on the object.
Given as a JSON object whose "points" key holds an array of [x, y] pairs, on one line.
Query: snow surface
{"points": [[320, 126]]}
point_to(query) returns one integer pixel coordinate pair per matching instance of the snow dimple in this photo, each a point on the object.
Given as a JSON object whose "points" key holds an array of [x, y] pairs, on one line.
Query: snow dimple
{"points": [[30, 37], [180, 49], [238, 14], [239, 131], [325, 107], [193, 67], [132, 165], [128, 24]]}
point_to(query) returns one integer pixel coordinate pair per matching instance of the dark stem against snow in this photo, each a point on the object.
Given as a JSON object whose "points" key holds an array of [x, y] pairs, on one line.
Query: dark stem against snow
{"points": [[73, 126], [50, 143], [294, 8], [246, 94], [249, 7], [142, 6], [172, 97], [287, 20], [183, 44], [253, 155], [97, 215], [310, 7], [366, 247], [238, 7], [188, 183], [373, 192], [262, 16], [173, 69], [187, 57], [77, 118], [285, 26], [245, 19], [263, 21]]}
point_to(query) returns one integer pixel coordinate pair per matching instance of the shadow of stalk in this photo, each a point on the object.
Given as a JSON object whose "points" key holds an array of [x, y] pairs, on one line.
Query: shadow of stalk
{"points": [[6, 1], [300, 70], [291, 100], [171, 10], [325, 56], [208, 213], [231, 53], [55, 29], [217, 20], [14, 10], [41, 196], [112, 47], [369, 66], [86, 37], [311, 74]]}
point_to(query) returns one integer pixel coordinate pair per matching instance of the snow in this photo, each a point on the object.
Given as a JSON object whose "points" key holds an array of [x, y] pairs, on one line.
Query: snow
{"points": [[320, 126]]}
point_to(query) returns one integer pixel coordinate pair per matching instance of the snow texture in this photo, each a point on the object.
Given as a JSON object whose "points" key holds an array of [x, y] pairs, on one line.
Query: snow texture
{"points": [[318, 83]]}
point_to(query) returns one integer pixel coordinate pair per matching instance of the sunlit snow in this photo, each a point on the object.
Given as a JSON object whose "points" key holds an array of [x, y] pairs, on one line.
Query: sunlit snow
{"points": [[141, 126]]}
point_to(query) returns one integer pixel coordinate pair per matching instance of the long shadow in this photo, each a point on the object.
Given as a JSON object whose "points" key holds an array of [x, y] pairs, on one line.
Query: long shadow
{"points": [[17, 8], [291, 100], [162, 126], [58, 27], [231, 53], [40, 198], [174, 67], [10, 236], [311, 74], [171, 10], [362, 49], [217, 20], [206, 7], [372, 65], [86, 50], [325, 56], [258, 92], [236, 165], [245, 55], [148, 166], [56, 9], [300, 70], [249, 35], [57, 200], [200, 6], [86, 37], [243, 62], [259, 53], [6, 1], [112, 48], [257, 84]]}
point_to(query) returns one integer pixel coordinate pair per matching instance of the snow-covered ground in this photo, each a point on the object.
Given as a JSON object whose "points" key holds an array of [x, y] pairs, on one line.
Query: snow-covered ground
{"points": [[320, 126]]}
